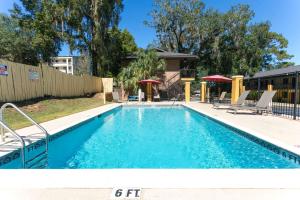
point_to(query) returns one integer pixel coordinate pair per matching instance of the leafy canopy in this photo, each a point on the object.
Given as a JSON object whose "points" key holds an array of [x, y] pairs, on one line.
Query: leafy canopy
{"points": [[226, 43], [15, 42], [83, 24], [120, 45], [39, 18]]}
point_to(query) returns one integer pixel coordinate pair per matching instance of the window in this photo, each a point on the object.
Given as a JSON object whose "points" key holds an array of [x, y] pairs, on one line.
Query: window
{"points": [[294, 82], [285, 95], [285, 81]]}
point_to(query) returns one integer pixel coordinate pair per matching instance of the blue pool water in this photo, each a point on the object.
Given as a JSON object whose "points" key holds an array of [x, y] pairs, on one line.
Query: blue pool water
{"points": [[158, 137]]}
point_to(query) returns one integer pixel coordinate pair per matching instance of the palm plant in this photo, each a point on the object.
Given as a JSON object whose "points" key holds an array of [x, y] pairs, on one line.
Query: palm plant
{"points": [[146, 66]]}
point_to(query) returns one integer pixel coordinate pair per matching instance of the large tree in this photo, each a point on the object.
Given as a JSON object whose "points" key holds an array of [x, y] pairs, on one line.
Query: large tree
{"points": [[175, 22], [249, 47], [87, 23], [39, 18], [120, 45], [227, 43], [15, 42], [83, 24]]}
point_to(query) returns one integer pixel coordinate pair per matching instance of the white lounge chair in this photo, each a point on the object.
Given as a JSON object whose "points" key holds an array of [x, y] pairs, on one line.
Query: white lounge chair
{"points": [[116, 97], [241, 100], [262, 105], [156, 97]]}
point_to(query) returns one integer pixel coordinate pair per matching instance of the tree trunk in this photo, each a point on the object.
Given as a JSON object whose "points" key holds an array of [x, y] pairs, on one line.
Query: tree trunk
{"points": [[94, 63]]}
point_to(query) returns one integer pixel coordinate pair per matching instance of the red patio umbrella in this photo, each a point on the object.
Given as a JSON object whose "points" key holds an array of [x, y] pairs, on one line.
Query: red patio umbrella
{"points": [[217, 79], [149, 81]]}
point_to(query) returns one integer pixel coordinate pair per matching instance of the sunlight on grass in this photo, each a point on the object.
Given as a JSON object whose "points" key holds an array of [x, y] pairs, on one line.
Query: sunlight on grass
{"points": [[50, 109]]}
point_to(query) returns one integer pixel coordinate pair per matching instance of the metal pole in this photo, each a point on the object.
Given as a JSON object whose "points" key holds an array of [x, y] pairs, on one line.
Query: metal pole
{"points": [[296, 95], [258, 89]]}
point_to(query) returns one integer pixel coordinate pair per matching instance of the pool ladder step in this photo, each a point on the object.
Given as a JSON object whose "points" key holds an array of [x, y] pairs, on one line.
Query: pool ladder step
{"points": [[38, 161]]}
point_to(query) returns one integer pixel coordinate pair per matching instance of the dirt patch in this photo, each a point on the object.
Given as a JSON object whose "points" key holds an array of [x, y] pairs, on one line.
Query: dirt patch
{"points": [[34, 108], [98, 96]]}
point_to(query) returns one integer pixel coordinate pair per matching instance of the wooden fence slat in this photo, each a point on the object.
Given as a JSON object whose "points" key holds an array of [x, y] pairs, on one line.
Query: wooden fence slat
{"points": [[18, 86]]}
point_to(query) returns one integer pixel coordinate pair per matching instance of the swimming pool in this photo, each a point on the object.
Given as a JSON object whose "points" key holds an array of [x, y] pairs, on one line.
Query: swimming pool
{"points": [[158, 137]]}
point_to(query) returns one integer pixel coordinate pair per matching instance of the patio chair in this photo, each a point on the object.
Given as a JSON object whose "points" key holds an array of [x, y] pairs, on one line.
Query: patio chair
{"points": [[116, 97], [142, 96], [241, 100], [133, 98], [221, 98], [262, 105], [156, 97]]}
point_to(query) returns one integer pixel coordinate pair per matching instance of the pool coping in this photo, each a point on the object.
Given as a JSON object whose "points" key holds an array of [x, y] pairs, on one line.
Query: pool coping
{"points": [[276, 146], [151, 178]]}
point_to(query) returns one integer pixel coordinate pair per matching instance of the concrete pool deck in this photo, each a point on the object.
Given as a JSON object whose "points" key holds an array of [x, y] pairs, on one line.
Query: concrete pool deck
{"points": [[152, 194], [284, 130]]}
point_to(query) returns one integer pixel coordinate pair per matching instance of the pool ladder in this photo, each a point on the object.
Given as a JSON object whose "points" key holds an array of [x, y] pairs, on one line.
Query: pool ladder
{"points": [[37, 161]]}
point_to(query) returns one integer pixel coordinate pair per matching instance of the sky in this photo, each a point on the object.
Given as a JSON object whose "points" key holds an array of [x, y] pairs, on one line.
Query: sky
{"points": [[284, 16]]}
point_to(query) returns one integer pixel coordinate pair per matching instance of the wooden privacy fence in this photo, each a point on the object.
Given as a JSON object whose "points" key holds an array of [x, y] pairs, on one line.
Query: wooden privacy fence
{"points": [[20, 82]]}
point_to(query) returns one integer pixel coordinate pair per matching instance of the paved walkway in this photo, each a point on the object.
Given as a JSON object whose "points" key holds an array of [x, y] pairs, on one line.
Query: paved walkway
{"points": [[153, 194], [277, 128]]}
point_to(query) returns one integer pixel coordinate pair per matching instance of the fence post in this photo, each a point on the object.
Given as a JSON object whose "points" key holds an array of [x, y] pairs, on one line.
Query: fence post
{"points": [[296, 95]]}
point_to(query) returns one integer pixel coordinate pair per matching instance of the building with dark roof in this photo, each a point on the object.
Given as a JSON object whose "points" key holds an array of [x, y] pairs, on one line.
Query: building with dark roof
{"points": [[176, 69], [277, 72], [285, 80]]}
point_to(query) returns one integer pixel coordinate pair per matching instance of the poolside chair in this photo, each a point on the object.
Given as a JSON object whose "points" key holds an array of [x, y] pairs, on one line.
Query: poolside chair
{"points": [[221, 98], [241, 100], [116, 97], [142, 96], [133, 98], [262, 105], [156, 97]]}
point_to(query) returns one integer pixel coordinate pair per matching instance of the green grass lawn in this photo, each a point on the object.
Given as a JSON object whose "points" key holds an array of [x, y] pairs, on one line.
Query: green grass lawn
{"points": [[46, 110]]}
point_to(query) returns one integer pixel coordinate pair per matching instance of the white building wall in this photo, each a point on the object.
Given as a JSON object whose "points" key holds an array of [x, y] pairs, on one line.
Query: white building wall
{"points": [[63, 64]]}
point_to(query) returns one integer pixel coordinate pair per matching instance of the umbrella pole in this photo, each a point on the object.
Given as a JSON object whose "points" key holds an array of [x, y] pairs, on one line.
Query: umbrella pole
{"points": [[149, 92], [208, 90]]}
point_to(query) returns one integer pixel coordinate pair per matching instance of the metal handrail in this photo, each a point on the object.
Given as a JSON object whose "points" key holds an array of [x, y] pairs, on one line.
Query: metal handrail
{"points": [[21, 140], [27, 117]]}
